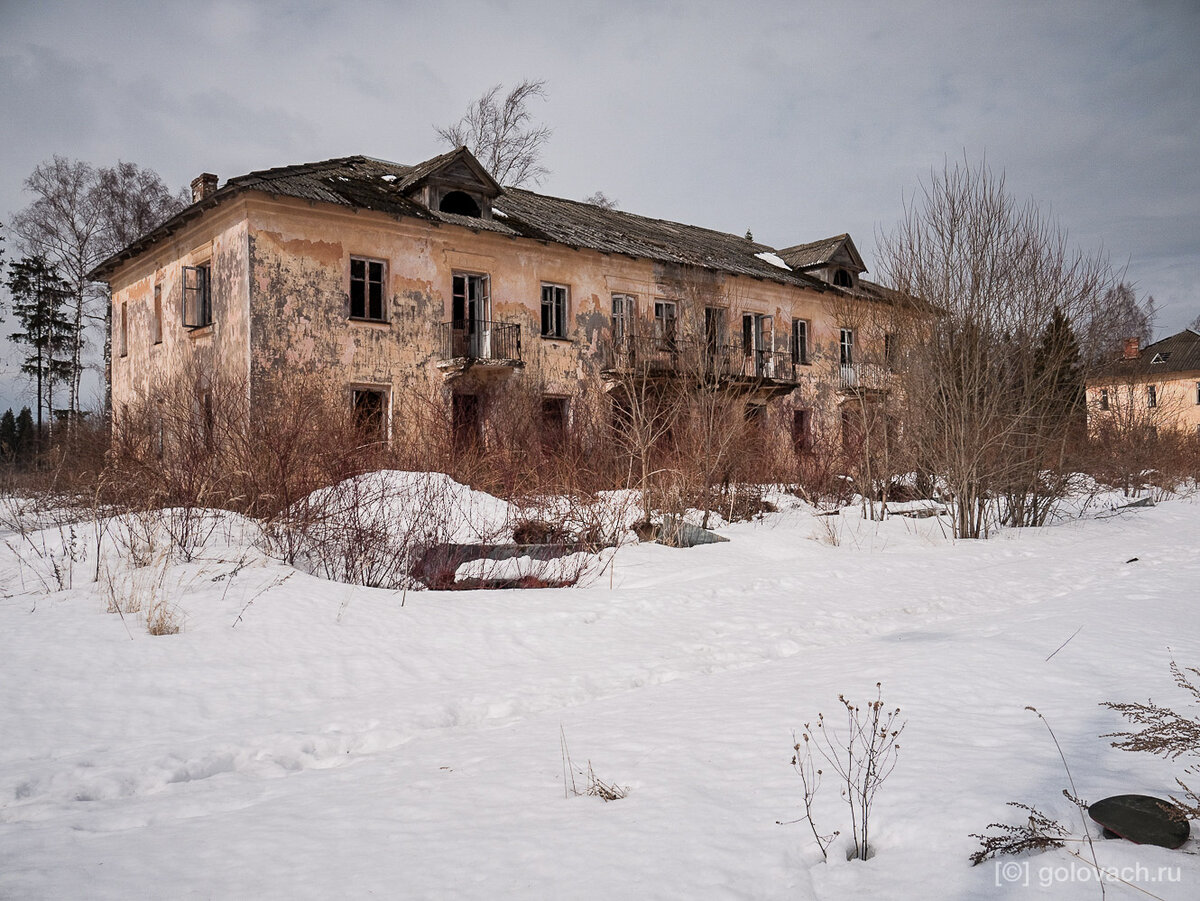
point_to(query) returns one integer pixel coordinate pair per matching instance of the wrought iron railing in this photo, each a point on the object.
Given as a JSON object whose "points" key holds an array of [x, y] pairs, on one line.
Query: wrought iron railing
{"points": [[479, 339], [862, 376], [667, 356]]}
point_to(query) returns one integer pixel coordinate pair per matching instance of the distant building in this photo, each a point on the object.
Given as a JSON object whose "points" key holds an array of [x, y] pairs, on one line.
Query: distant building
{"points": [[433, 281], [1150, 389]]}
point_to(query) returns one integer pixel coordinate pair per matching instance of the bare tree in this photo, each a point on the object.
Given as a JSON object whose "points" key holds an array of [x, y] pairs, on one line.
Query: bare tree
{"points": [[979, 382], [63, 226], [502, 136], [79, 216], [602, 200], [1123, 317]]}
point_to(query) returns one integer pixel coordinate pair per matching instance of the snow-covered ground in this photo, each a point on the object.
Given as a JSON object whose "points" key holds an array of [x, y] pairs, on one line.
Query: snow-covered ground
{"points": [[301, 738]]}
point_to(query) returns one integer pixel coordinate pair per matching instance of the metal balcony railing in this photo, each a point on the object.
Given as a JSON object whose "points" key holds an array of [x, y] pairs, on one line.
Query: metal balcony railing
{"points": [[862, 377], [677, 356], [480, 340]]}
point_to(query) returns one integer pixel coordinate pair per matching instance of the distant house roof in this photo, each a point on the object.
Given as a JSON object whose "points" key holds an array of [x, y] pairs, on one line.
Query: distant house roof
{"points": [[360, 182], [1177, 354]]}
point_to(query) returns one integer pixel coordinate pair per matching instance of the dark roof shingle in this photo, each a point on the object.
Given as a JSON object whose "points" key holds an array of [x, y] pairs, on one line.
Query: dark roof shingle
{"points": [[361, 182]]}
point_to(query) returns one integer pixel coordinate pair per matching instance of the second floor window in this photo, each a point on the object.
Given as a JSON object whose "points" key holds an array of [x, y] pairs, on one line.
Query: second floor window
{"points": [[1103, 398], [664, 324], [624, 313], [197, 296], [800, 341], [1151, 396], [846, 347], [366, 289], [554, 311]]}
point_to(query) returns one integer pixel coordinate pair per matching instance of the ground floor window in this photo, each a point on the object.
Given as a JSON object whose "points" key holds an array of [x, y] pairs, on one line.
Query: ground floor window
{"points": [[554, 421], [466, 421], [370, 409], [802, 430]]}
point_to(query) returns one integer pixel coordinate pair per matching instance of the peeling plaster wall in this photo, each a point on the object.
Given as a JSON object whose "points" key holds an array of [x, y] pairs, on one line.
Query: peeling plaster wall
{"points": [[281, 306], [221, 350]]}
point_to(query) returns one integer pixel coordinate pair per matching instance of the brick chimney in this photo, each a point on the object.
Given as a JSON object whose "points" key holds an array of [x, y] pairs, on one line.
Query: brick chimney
{"points": [[1131, 348], [203, 185]]}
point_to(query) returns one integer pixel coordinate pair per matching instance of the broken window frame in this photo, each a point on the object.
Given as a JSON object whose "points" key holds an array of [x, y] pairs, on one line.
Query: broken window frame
{"points": [[624, 317], [846, 347], [197, 296], [555, 304], [800, 342], [666, 322], [1151, 396], [370, 407], [368, 276]]}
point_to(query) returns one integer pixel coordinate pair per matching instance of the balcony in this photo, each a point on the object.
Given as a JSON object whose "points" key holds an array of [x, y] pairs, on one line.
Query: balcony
{"points": [[763, 372], [862, 378], [463, 344]]}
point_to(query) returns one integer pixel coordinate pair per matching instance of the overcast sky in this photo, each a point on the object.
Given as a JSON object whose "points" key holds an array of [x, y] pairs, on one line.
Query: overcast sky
{"points": [[796, 120]]}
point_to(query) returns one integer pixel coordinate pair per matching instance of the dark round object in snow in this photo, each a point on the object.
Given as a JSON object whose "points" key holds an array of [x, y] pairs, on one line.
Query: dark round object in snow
{"points": [[1142, 819]]}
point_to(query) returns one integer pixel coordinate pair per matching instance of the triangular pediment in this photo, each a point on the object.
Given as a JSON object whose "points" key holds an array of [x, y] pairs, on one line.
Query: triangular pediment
{"points": [[836, 251], [457, 169]]}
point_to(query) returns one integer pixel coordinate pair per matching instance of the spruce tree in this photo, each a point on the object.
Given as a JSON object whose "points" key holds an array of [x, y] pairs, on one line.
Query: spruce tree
{"points": [[8, 436], [26, 437], [40, 299]]}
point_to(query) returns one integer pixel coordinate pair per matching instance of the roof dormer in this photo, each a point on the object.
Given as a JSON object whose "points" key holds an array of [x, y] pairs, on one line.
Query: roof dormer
{"points": [[454, 183], [834, 261]]}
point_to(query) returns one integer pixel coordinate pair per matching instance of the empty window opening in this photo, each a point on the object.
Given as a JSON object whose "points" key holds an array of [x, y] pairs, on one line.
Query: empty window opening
{"points": [[802, 431], [466, 421], [554, 421], [460, 203], [890, 353], [197, 296], [843, 279], [714, 330], [853, 432], [554, 311], [1103, 398], [846, 347], [124, 337], [664, 324], [469, 308], [800, 341], [756, 418], [156, 325], [366, 289], [1151, 396], [208, 420], [370, 413]]}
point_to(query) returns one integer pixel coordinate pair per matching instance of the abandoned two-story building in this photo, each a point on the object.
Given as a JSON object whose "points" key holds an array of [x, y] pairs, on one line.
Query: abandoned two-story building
{"points": [[434, 281]]}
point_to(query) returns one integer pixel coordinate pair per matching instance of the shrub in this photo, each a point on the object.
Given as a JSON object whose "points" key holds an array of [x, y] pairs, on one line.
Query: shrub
{"points": [[862, 757]]}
